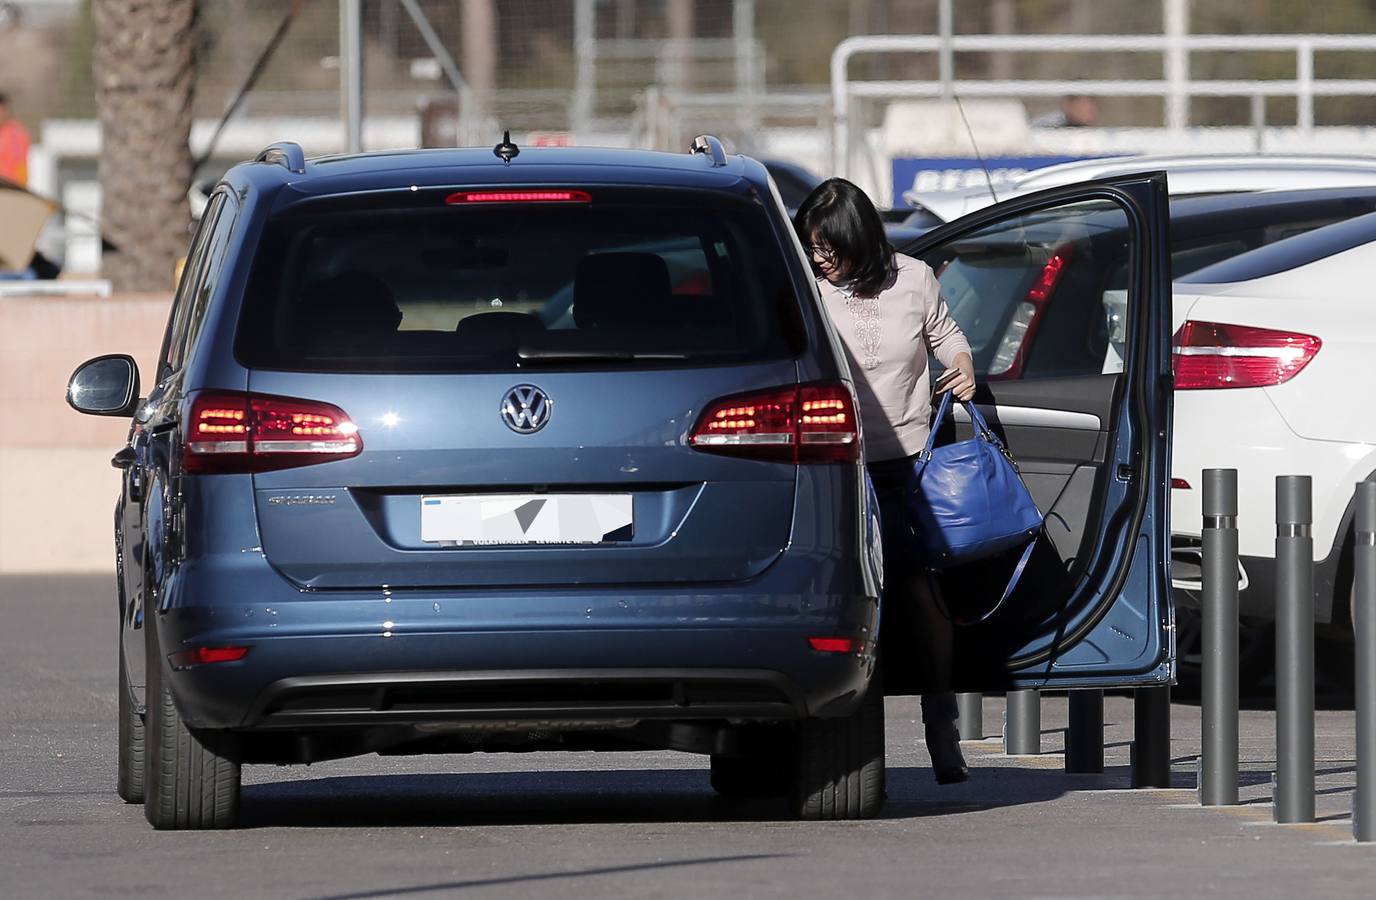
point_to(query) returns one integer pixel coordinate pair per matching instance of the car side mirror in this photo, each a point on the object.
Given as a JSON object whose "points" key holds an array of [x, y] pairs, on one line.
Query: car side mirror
{"points": [[105, 386]]}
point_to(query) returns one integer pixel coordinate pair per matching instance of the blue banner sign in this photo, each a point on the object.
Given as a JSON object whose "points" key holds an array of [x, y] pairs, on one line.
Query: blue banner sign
{"points": [[947, 173]]}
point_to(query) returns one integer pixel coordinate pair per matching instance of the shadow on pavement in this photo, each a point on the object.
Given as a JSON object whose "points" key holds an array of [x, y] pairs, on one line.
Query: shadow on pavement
{"points": [[616, 796]]}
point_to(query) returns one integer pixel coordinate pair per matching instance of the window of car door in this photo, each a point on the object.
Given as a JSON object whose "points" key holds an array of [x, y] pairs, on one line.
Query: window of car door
{"points": [[172, 357], [215, 255], [1030, 292]]}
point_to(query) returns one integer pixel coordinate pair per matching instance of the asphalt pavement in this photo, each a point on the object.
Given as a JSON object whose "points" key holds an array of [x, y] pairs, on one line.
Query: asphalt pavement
{"points": [[629, 824]]}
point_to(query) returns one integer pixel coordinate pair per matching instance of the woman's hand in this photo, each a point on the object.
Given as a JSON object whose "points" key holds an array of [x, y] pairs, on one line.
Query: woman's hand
{"points": [[962, 382]]}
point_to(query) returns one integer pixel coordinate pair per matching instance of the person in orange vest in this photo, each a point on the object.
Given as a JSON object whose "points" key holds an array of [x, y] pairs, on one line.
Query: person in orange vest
{"points": [[14, 146]]}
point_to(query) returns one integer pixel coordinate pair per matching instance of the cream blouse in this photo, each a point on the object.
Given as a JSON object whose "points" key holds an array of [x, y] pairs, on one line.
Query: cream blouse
{"points": [[886, 338]]}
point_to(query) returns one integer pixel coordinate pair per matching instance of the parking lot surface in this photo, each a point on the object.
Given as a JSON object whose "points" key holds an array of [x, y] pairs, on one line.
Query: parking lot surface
{"points": [[628, 825]]}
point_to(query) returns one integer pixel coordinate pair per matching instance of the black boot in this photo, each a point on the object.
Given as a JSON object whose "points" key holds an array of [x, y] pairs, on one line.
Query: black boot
{"points": [[943, 745]]}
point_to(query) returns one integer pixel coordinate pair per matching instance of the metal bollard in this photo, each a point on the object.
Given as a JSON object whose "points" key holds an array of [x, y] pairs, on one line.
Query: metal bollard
{"points": [[1084, 739], [971, 720], [1364, 626], [1022, 724], [1151, 737], [1294, 793], [1218, 782]]}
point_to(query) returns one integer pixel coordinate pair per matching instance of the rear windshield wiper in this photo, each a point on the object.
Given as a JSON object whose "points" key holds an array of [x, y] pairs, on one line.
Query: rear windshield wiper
{"points": [[535, 354]]}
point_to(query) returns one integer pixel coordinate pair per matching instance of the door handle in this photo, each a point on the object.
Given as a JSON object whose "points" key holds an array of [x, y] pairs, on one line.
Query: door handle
{"points": [[124, 458]]}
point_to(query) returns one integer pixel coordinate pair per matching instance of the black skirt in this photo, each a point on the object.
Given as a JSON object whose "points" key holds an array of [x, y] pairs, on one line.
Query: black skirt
{"points": [[890, 478]]}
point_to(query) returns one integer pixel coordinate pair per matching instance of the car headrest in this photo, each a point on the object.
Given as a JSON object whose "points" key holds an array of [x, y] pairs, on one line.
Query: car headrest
{"points": [[619, 289], [498, 327], [352, 301]]}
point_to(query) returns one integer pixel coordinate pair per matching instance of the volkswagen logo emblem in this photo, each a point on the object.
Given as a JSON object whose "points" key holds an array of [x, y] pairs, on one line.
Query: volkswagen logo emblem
{"points": [[526, 409]]}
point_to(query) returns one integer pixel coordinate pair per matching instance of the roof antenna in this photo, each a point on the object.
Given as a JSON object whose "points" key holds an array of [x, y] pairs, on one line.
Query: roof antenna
{"points": [[506, 151], [988, 179]]}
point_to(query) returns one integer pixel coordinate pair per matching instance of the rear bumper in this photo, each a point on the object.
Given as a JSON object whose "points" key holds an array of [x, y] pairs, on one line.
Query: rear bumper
{"points": [[514, 698], [1257, 576], [339, 672], [1256, 580]]}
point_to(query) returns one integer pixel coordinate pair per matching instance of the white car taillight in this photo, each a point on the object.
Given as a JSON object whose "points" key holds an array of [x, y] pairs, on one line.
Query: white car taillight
{"points": [[1209, 355]]}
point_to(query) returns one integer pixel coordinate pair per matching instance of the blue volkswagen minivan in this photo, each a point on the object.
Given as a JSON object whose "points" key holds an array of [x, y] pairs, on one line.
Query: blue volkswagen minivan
{"points": [[455, 450]]}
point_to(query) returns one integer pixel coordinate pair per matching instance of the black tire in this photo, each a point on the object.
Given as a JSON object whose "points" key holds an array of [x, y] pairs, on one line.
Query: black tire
{"points": [[749, 776], [192, 779], [131, 740], [1256, 649], [839, 764], [1335, 662]]}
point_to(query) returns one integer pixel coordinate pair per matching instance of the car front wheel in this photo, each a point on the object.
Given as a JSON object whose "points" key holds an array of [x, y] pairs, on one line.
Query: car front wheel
{"points": [[1256, 653], [131, 740], [839, 763], [192, 777]]}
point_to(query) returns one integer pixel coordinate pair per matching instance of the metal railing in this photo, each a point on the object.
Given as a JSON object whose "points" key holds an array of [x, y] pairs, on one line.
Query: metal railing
{"points": [[1175, 86], [664, 120], [610, 73]]}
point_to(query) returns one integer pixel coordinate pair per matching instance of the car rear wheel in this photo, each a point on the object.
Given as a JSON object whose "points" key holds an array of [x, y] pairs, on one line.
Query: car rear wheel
{"points": [[192, 779], [131, 740], [839, 764]]}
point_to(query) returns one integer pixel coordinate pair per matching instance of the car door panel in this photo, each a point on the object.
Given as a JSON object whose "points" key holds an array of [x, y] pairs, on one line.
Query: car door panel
{"points": [[1093, 607], [1056, 431]]}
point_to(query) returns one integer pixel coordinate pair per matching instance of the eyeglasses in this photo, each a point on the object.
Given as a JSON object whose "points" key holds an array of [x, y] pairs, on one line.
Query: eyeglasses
{"points": [[822, 253]]}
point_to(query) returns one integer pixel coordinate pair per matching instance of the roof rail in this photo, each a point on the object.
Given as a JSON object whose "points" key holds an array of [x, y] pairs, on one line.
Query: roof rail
{"points": [[285, 153], [708, 145]]}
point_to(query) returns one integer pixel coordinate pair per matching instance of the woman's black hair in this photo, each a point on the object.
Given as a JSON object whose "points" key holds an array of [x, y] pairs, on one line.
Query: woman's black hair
{"points": [[840, 216]]}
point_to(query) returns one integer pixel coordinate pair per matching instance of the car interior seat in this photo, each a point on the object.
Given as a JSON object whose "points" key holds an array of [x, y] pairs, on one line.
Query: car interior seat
{"points": [[622, 290], [342, 312]]}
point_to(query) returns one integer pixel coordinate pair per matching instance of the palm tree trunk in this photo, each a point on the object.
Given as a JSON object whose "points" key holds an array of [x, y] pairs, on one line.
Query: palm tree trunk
{"points": [[144, 73]]}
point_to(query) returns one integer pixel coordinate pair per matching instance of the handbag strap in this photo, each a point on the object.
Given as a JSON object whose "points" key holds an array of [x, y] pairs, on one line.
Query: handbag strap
{"points": [[941, 411], [1018, 571], [981, 427]]}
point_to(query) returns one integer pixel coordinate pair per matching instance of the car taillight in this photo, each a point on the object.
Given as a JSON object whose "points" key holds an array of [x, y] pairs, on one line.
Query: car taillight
{"points": [[1209, 355], [809, 423], [538, 196], [1011, 355], [234, 432]]}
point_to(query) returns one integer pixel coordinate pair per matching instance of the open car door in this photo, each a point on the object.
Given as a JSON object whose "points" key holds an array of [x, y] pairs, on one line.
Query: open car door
{"points": [[1065, 298]]}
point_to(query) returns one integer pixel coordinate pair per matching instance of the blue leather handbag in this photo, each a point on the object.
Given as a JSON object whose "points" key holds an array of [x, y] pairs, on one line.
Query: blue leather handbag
{"points": [[965, 502]]}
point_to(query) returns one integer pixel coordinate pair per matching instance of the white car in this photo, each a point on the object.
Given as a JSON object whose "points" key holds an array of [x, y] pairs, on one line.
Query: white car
{"points": [[1196, 174], [1272, 349]]}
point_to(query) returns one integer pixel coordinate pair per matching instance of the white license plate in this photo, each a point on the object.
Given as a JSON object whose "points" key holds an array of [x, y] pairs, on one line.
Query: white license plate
{"points": [[523, 519]]}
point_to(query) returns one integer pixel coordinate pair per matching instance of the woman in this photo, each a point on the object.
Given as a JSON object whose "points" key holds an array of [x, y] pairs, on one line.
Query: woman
{"points": [[887, 309]]}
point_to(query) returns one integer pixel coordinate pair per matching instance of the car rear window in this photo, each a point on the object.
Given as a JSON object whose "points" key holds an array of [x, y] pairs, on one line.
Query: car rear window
{"points": [[649, 278], [1291, 253]]}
